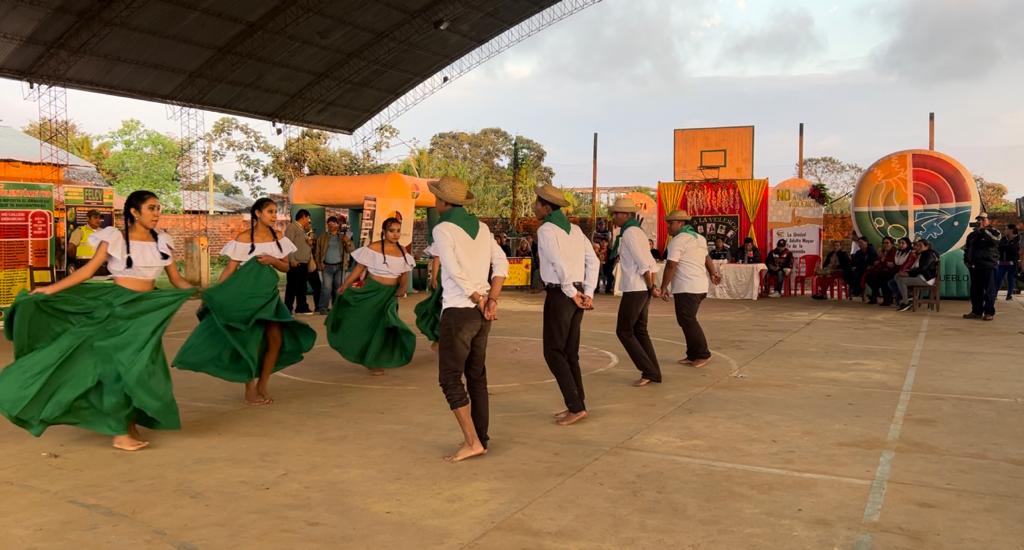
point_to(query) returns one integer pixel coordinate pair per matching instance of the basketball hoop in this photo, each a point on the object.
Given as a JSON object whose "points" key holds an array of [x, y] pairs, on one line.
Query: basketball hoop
{"points": [[709, 173]]}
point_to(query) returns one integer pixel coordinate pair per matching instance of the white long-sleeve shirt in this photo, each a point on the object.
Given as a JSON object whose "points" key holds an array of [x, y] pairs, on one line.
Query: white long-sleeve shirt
{"points": [[567, 258], [634, 260], [465, 263]]}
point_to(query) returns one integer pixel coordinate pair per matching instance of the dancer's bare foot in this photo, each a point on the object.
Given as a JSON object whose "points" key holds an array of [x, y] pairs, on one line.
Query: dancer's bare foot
{"points": [[252, 394], [572, 418], [261, 388], [376, 372], [561, 415], [433, 347], [641, 383], [133, 431], [128, 443], [466, 451], [699, 363]]}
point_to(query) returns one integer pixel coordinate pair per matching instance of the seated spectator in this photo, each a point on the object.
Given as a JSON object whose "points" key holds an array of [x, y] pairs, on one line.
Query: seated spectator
{"points": [[905, 258], [720, 251], [862, 259], [835, 266], [780, 265], [922, 273], [881, 272], [749, 254], [654, 251]]}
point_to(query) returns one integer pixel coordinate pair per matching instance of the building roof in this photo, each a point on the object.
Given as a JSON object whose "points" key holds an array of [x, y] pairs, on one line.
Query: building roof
{"points": [[16, 145], [330, 64], [197, 201]]}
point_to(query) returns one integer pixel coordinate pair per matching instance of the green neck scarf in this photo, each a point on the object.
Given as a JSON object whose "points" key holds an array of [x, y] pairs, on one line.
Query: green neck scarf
{"points": [[613, 252], [466, 221], [689, 229], [557, 218]]}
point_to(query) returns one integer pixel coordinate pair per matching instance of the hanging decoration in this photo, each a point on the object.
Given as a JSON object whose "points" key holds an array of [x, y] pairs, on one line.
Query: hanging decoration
{"points": [[711, 198], [753, 193], [671, 194]]}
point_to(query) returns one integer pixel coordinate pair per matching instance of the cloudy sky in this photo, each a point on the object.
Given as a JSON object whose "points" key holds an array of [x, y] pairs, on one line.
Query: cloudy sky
{"points": [[861, 74]]}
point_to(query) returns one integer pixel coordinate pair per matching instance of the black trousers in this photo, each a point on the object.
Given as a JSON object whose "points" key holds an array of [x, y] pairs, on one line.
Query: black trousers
{"points": [[462, 351], [562, 320], [631, 328], [878, 281], [609, 276], [313, 278], [686, 315], [295, 289], [983, 290]]}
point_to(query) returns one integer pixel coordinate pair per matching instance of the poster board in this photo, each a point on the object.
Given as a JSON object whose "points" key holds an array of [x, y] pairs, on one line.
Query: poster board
{"points": [[78, 201], [518, 272], [712, 227], [800, 239], [366, 222], [26, 237]]}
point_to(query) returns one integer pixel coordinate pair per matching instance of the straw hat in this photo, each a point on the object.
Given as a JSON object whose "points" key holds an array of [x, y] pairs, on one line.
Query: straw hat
{"points": [[678, 216], [551, 194], [623, 204], [451, 190]]}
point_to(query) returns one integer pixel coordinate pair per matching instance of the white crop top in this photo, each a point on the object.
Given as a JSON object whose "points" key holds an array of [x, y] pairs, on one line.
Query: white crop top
{"points": [[146, 260], [239, 251], [374, 262]]}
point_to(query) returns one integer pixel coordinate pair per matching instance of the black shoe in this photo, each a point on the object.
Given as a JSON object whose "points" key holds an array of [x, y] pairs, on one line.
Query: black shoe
{"points": [[906, 306], [987, 317], [972, 316], [817, 297]]}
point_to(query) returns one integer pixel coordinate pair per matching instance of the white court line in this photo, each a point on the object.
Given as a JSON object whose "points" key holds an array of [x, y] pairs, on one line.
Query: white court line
{"points": [[735, 365], [876, 497], [290, 377], [867, 346], [749, 468]]}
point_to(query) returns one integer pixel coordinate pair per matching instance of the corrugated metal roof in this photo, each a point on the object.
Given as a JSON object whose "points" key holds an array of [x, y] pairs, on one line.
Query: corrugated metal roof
{"points": [[197, 201], [330, 64], [19, 146]]}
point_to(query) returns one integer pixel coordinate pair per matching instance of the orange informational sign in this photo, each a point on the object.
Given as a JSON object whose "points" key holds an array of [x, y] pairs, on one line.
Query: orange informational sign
{"points": [[714, 153], [518, 272], [647, 211], [26, 235]]}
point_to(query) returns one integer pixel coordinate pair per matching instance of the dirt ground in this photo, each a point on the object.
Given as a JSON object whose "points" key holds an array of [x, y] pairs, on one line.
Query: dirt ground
{"points": [[817, 425]]}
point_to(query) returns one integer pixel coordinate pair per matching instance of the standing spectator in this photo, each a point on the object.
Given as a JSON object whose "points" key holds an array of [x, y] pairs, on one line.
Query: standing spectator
{"points": [[835, 266], [780, 265], [923, 272], [1009, 260], [523, 249], [602, 255], [981, 254], [298, 262], [654, 250], [749, 254], [905, 258], [79, 248], [609, 271], [332, 254], [720, 252], [502, 241], [881, 272], [862, 259]]}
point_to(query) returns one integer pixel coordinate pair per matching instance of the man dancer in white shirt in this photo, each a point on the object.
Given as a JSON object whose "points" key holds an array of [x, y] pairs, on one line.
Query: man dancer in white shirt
{"points": [[569, 268], [636, 280], [467, 252], [687, 272]]}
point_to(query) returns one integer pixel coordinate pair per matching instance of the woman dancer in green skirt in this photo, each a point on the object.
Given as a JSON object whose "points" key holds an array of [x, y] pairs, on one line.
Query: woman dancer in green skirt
{"points": [[363, 326], [245, 333], [90, 355], [428, 311]]}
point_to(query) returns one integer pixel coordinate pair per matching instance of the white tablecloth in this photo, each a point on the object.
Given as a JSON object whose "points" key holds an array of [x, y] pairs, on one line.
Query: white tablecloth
{"points": [[739, 281]]}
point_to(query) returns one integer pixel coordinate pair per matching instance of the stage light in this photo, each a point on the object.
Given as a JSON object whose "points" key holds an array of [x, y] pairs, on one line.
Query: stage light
{"points": [[442, 24]]}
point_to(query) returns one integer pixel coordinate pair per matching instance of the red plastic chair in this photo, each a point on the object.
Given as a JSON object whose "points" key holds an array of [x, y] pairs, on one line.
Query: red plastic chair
{"points": [[838, 289], [768, 284], [805, 269]]}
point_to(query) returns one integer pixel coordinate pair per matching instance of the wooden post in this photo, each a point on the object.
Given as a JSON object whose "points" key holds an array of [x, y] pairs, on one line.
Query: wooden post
{"points": [[800, 161], [593, 196], [931, 131], [197, 260], [209, 178]]}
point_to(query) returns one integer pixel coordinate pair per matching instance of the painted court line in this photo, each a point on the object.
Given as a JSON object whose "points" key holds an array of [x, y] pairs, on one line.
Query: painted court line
{"points": [[876, 497]]}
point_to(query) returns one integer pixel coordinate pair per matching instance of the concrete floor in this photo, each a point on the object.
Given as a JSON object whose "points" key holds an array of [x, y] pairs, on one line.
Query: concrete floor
{"points": [[817, 425]]}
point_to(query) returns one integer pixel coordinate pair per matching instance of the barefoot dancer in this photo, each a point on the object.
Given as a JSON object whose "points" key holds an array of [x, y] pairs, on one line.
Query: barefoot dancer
{"points": [[686, 273], [90, 355], [245, 333], [569, 268], [636, 279], [467, 252], [363, 325]]}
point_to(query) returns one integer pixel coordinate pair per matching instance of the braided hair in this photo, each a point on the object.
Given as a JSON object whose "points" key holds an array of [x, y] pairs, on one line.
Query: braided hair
{"points": [[135, 202], [384, 240], [259, 206]]}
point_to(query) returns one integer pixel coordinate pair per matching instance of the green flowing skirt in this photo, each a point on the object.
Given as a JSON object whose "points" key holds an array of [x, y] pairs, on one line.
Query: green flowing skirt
{"points": [[230, 339], [363, 326], [90, 356], [428, 313]]}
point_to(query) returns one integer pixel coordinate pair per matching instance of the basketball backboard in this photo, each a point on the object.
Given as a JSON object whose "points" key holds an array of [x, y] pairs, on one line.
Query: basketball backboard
{"points": [[714, 153]]}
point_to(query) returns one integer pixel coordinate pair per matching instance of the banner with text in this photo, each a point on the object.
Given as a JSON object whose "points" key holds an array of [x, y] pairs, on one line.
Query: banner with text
{"points": [[26, 236], [714, 227]]}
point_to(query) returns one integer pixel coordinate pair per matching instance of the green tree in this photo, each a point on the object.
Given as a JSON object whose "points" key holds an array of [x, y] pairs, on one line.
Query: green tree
{"points": [[311, 154], [249, 149], [839, 177], [80, 143], [141, 158], [222, 185], [993, 195]]}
